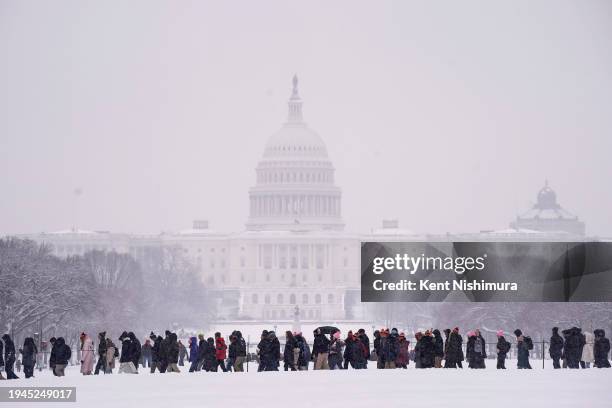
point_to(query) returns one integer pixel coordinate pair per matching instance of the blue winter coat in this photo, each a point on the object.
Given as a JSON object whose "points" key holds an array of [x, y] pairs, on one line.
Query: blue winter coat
{"points": [[193, 349]]}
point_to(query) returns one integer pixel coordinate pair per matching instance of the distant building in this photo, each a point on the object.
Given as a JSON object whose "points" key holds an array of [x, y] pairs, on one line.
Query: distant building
{"points": [[548, 216], [294, 250]]}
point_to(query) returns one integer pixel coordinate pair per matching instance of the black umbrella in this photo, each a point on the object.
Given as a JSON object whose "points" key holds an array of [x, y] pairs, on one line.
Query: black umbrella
{"points": [[327, 329]]}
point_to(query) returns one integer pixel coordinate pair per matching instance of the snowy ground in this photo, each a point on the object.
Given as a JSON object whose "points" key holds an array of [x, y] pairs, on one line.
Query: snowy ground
{"points": [[362, 388]]}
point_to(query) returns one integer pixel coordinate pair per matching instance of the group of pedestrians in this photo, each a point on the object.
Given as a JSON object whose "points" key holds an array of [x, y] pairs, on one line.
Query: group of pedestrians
{"points": [[572, 348], [575, 348]]}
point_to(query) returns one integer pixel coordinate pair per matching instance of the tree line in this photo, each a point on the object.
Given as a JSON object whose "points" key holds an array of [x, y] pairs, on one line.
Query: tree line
{"points": [[40, 291]]}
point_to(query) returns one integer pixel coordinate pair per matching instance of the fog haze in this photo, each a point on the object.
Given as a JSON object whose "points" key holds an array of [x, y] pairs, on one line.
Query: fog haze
{"points": [[446, 115]]}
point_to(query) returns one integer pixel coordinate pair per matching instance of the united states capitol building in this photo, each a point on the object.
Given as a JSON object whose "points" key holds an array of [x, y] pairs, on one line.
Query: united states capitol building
{"points": [[294, 250]]}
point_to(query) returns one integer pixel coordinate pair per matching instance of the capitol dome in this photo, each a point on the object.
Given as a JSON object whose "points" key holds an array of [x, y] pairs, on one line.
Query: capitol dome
{"points": [[295, 140], [295, 179]]}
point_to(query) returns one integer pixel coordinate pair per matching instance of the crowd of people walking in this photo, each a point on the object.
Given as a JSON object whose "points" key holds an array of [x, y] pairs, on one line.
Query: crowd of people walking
{"points": [[389, 349]]}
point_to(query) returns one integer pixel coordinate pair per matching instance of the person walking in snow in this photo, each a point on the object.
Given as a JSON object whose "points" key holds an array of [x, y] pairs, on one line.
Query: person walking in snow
{"points": [[378, 349], [193, 354], [241, 352], [503, 347], [202, 344], [572, 348], [126, 363], [390, 347], [365, 342], [453, 349], [288, 354], [303, 353], [221, 351], [147, 354], [556, 347], [9, 357], [135, 350], [210, 359], [336, 348], [320, 350], [232, 349], [438, 349], [155, 353], [523, 345], [182, 354], [28, 356], [403, 356], [587, 356], [101, 363], [87, 354], [601, 349], [1, 360], [173, 354], [60, 355], [111, 354], [476, 353]]}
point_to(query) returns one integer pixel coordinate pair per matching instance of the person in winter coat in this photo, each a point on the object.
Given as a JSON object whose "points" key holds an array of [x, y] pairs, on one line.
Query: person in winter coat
{"points": [[427, 350], [601, 349], [390, 347], [365, 341], [503, 347], [210, 359], [272, 354], [523, 345], [126, 364], [147, 354], [231, 351], [101, 363], [261, 346], [111, 354], [453, 349], [164, 347], [221, 351], [87, 354], [403, 358], [9, 357], [438, 349], [156, 363], [572, 348], [28, 356], [288, 352], [173, 354], [556, 347], [475, 351], [336, 348], [60, 355], [349, 350], [1, 360], [587, 350], [52, 341], [320, 350], [182, 354], [193, 354], [241, 352], [378, 349], [135, 350], [202, 344], [304, 351]]}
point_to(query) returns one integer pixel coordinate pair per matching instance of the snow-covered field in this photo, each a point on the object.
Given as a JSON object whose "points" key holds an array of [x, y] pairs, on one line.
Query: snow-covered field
{"points": [[361, 388]]}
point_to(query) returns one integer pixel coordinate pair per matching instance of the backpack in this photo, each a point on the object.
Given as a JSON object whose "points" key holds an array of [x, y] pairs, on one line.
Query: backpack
{"points": [[507, 347], [528, 343]]}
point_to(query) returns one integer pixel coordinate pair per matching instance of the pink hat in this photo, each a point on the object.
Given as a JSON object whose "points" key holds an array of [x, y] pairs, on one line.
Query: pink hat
{"points": [[337, 335], [500, 333]]}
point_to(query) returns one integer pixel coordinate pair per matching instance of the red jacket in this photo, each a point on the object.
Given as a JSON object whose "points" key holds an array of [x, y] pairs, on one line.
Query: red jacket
{"points": [[220, 353]]}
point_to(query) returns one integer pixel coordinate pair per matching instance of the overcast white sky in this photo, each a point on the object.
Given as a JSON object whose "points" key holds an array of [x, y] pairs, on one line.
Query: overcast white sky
{"points": [[447, 115]]}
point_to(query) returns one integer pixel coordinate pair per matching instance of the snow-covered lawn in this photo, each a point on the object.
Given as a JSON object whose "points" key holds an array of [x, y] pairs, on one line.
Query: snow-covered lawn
{"points": [[362, 388]]}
